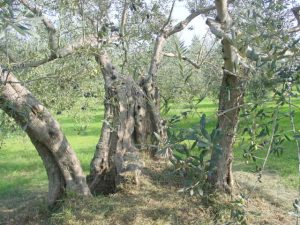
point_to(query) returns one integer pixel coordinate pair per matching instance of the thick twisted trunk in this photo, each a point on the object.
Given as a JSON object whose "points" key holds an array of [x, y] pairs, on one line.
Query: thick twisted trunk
{"points": [[155, 124], [128, 126], [230, 98], [149, 83], [62, 166]]}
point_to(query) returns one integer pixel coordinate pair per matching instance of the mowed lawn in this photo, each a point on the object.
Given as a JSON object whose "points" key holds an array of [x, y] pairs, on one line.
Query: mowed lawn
{"points": [[22, 171]]}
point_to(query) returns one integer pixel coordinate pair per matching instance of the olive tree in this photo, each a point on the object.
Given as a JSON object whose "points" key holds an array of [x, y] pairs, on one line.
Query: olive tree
{"points": [[254, 35], [132, 118]]}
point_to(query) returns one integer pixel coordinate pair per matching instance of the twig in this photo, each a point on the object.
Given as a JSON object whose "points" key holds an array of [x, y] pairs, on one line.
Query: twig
{"points": [[86, 41], [272, 139], [295, 11], [233, 108], [165, 34], [53, 45], [170, 16], [122, 33], [169, 54], [269, 149], [32, 80], [297, 141]]}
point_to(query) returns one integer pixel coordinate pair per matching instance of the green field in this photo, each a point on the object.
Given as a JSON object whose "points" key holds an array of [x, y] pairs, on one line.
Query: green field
{"points": [[23, 182], [285, 165], [22, 170]]}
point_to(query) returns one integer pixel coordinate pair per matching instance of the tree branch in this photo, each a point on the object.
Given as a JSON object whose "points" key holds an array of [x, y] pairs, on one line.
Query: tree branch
{"points": [[222, 12], [164, 34], [56, 52], [295, 11], [169, 54], [122, 32], [169, 17], [252, 54], [53, 40], [216, 28], [90, 41], [53, 44], [182, 24]]}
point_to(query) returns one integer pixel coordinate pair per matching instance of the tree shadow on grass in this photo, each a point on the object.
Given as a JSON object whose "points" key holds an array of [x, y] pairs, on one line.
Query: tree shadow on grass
{"points": [[22, 207]]}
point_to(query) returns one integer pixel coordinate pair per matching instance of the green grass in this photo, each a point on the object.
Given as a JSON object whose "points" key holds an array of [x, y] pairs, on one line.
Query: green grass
{"points": [[23, 182], [285, 165], [22, 171]]}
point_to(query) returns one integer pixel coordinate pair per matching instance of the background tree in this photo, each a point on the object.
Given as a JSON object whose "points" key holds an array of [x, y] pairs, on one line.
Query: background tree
{"points": [[245, 53]]}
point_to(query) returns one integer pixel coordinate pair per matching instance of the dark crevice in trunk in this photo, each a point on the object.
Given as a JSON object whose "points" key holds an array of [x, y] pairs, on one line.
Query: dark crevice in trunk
{"points": [[129, 125], [231, 97]]}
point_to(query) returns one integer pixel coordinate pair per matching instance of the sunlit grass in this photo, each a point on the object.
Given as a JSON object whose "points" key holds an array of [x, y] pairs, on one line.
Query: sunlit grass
{"points": [[286, 165], [22, 171]]}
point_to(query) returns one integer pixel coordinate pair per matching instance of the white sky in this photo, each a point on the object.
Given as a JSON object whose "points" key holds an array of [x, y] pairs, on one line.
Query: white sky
{"points": [[180, 12], [200, 28]]}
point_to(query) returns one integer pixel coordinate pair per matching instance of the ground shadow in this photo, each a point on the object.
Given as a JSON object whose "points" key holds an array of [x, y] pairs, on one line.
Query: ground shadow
{"points": [[26, 204]]}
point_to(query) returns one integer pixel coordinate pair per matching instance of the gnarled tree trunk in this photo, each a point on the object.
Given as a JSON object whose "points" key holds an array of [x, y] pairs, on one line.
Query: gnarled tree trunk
{"points": [[155, 124], [128, 123], [63, 168], [230, 99]]}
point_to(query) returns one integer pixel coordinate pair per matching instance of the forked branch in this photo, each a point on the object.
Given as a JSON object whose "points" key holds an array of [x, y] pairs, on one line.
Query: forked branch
{"points": [[295, 11], [52, 33]]}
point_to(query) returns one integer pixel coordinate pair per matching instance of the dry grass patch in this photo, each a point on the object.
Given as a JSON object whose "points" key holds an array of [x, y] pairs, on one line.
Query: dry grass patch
{"points": [[156, 201]]}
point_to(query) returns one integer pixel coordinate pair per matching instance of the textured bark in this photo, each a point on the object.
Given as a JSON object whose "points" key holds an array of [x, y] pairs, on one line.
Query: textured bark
{"points": [[62, 166], [154, 122], [132, 117], [149, 83], [129, 126], [230, 98]]}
